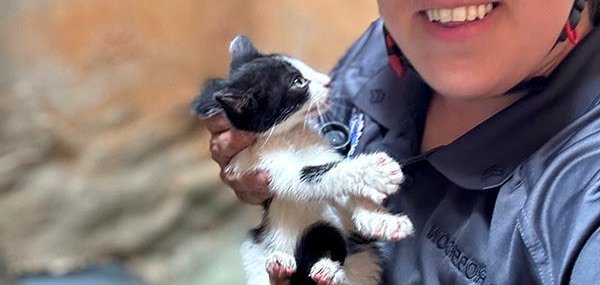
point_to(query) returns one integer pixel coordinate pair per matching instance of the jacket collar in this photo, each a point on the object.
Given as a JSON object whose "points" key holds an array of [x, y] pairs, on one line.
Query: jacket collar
{"points": [[486, 156]]}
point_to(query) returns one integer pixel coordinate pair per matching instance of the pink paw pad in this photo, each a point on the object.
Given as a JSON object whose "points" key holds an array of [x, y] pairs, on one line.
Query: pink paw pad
{"points": [[328, 272], [281, 265]]}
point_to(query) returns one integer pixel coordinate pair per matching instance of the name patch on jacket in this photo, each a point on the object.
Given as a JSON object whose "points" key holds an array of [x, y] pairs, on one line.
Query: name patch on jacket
{"points": [[469, 267]]}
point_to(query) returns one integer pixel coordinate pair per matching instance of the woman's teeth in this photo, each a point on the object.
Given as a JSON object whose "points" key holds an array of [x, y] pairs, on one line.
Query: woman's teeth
{"points": [[459, 14]]}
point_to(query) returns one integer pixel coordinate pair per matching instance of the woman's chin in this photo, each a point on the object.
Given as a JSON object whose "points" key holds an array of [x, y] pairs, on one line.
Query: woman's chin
{"points": [[459, 88]]}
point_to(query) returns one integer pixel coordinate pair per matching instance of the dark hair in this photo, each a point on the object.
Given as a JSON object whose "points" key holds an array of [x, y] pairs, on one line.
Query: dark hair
{"points": [[594, 11]]}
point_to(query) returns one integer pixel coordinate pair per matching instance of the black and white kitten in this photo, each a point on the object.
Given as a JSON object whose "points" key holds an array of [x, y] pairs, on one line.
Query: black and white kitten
{"points": [[325, 206]]}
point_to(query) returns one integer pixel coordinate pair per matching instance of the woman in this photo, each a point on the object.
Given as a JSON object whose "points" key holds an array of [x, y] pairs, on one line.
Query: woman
{"points": [[493, 109]]}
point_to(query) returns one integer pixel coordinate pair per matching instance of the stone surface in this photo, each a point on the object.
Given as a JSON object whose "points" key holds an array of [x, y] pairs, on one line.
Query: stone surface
{"points": [[100, 157]]}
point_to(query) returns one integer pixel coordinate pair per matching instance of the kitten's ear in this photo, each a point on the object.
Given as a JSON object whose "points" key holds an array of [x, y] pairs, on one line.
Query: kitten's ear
{"points": [[205, 105], [233, 102], [241, 50]]}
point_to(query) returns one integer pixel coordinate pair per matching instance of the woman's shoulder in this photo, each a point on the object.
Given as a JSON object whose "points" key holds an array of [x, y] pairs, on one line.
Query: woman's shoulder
{"points": [[561, 183], [571, 159], [575, 106]]}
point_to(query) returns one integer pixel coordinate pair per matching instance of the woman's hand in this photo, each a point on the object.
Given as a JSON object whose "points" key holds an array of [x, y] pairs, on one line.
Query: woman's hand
{"points": [[225, 143]]}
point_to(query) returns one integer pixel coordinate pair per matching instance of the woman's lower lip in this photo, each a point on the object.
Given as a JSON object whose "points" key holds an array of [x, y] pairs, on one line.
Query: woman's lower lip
{"points": [[458, 32]]}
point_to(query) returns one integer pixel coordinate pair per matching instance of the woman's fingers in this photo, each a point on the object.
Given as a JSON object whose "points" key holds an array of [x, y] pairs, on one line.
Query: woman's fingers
{"points": [[225, 145], [252, 188]]}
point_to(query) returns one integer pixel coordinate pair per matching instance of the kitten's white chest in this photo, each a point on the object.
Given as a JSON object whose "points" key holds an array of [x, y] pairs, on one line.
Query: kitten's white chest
{"points": [[298, 148]]}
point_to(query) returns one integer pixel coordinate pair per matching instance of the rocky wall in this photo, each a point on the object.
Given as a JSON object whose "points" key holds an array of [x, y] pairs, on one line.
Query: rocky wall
{"points": [[100, 158]]}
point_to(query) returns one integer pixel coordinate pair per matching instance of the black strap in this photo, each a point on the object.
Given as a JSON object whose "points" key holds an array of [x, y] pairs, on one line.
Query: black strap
{"points": [[574, 18]]}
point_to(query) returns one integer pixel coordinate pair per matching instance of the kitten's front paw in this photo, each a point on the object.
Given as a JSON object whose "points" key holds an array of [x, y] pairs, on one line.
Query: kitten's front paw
{"points": [[383, 225], [280, 265], [382, 176], [328, 272]]}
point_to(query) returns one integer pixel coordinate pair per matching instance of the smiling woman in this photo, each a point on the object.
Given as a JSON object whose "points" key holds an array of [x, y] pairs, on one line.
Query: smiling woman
{"points": [[461, 62], [470, 50]]}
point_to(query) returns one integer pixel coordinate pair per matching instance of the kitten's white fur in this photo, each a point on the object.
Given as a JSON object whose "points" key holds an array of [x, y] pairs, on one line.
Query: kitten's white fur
{"points": [[347, 196]]}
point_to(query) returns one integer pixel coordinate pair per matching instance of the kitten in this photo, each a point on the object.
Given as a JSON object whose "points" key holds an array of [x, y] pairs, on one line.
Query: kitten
{"points": [[326, 208]]}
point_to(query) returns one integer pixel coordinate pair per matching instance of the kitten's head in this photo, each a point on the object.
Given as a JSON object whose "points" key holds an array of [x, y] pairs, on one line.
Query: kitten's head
{"points": [[264, 92]]}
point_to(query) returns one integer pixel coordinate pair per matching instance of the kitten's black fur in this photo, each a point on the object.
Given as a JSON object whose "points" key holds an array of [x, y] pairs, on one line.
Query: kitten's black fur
{"points": [[318, 241], [260, 92]]}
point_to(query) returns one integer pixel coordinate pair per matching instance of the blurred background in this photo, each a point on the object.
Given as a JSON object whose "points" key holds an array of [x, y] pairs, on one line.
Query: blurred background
{"points": [[100, 158]]}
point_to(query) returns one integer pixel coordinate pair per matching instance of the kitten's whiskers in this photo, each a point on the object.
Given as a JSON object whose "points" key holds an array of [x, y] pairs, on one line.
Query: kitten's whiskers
{"points": [[320, 115], [339, 106], [307, 114], [268, 137]]}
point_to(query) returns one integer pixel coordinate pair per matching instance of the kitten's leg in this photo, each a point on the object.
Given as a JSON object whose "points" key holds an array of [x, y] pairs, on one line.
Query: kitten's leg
{"points": [[372, 221], [253, 260], [328, 272], [360, 268], [280, 265], [374, 176], [262, 268]]}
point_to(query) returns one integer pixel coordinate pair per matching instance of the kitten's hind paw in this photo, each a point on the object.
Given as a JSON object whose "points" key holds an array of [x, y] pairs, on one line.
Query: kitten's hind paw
{"points": [[383, 225], [281, 265], [328, 272]]}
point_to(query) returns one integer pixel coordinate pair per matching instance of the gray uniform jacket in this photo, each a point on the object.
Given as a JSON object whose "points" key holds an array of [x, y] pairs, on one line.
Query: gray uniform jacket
{"points": [[516, 200]]}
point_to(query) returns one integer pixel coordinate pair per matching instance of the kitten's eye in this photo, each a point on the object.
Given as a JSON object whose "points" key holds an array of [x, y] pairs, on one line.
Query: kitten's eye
{"points": [[299, 82]]}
